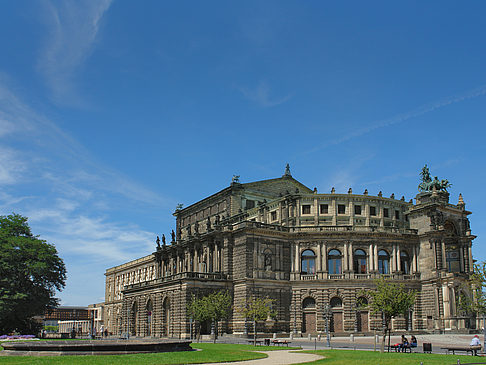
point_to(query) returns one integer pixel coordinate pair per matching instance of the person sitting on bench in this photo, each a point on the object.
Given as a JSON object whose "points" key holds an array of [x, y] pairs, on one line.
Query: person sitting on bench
{"points": [[475, 345], [404, 343], [413, 341]]}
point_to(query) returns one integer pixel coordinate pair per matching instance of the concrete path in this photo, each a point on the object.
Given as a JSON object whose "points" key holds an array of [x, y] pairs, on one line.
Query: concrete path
{"points": [[279, 357]]}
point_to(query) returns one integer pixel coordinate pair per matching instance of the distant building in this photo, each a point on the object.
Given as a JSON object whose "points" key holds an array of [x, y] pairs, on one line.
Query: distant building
{"points": [[97, 317], [308, 251], [67, 318]]}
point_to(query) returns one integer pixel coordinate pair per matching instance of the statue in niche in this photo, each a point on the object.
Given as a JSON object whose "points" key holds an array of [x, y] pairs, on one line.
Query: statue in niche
{"points": [[189, 233], [267, 260], [208, 224], [196, 228], [172, 236], [216, 220]]}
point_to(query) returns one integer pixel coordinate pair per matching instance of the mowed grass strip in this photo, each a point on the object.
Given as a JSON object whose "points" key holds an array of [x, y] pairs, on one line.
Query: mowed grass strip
{"points": [[351, 357], [209, 353]]}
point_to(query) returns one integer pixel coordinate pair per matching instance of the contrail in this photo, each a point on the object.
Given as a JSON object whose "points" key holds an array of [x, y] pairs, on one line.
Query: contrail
{"points": [[424, 109]]}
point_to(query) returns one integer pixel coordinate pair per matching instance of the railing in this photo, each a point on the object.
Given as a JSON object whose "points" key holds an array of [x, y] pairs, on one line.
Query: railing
{"points": [[352, 229], [336, 276], [362, 276], [308, 277], [179, 276]]}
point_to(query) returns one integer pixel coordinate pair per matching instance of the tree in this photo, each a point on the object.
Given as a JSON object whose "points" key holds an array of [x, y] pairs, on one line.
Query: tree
{"points": [[213, 307], [30, 273], [258, 309], [476, 303], [389, 300]]}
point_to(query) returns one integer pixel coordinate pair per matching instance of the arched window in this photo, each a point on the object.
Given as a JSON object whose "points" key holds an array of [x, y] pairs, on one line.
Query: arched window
{"points": [[453, 259], [309, 303], [308, 259], [359, 262], [405, 262], [336, 302], [334, 259], [149, 309], [383, 262]]}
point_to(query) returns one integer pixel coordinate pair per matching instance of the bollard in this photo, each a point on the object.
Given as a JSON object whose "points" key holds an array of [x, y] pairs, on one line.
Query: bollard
{"points": [[315, 344]]}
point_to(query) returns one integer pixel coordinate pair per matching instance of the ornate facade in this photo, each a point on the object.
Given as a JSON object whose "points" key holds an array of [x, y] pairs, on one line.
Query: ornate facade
{"points": [[312, 253]]}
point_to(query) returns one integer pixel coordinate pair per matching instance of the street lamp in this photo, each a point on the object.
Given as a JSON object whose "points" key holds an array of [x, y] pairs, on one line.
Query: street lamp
{"points": [[128, 329], [327, 312]]}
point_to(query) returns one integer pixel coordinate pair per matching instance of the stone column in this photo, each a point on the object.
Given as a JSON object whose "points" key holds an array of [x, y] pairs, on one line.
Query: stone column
{"points": [[399, 262], [375, 256], [334, 212], [446, 301], [461, 258], [297, 258], [414, 259], [471, 265], [350, 262], [394, 259], [324, 258], [444, 263], [345, 258], [371, 262], [318, 258], [316, 212]]}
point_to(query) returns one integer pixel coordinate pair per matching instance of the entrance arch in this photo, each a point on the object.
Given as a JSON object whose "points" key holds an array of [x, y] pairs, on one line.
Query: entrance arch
{"points": [[149, 308], [337, 314], [166, 317], [309, 315]]}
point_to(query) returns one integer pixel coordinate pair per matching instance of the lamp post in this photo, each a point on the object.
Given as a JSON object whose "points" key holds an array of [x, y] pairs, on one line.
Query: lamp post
{"points": [[327, 311], [128, 322]]}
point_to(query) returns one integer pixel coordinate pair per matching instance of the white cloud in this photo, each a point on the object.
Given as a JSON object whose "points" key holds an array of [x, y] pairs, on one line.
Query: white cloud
{"points": [[11, 166], [400, 118], [261, 95], [73, 29]]}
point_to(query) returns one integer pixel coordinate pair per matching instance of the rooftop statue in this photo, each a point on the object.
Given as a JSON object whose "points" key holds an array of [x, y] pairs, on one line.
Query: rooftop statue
{"points": [[428, 184]]}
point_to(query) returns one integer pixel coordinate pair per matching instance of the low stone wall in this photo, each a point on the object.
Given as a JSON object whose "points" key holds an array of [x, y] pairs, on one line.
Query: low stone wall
{"points": [[103, 347]]}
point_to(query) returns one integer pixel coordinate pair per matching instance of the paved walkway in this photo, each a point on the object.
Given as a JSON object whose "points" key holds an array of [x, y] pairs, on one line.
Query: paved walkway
{"points": [[279, 357]]}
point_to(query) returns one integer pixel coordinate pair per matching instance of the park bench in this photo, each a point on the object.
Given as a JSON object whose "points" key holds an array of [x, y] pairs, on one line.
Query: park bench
{"points": [[258, 342], [397, 348], [466, 349], [281, 342]]}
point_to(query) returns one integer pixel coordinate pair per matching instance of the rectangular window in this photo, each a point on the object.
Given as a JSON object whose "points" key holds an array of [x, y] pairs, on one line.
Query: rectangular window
{"points": [[341, 209], [397, 214], [386, 212], [324, 209], [273, 215], [357, 209], [372, 210], [250, 204], [306, 209]]}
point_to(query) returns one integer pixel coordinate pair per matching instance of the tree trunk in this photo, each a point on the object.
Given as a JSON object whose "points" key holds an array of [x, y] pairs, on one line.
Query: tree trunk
{"points": [[254, 332]]}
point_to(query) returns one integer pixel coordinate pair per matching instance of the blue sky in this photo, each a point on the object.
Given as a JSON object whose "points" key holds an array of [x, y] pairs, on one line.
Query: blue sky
{"points": [[113, 112]]}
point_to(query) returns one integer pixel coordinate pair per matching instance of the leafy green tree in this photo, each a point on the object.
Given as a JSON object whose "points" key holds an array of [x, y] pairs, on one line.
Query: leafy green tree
{"points": [[259, 309], [389, 300], [213, 307], [476, 286], [30, 273]]}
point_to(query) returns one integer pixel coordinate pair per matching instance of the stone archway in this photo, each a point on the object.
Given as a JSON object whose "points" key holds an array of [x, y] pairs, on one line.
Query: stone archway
{"points": [[166, 317], [149, 307], [309, 315]]}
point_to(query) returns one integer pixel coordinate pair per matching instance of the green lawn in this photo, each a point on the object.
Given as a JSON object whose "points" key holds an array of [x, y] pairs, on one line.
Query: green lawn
{"points": [[210, 353], [350, 357]]}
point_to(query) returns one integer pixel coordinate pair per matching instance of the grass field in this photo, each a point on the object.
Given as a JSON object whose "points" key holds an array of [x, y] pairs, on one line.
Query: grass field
{"points": [[350, 357], [209, 353]]}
